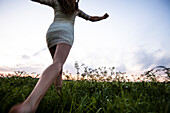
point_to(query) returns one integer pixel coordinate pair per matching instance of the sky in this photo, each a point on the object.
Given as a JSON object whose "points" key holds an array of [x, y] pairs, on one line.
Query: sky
{"points": [[134, 39]]}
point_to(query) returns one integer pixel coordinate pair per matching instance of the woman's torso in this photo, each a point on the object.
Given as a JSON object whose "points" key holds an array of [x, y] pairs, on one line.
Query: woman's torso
{"points": [[59, 16]]}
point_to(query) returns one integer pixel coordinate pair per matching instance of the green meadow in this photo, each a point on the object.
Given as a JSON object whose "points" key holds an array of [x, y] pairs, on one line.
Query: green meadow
{"points": [[89, 96]]}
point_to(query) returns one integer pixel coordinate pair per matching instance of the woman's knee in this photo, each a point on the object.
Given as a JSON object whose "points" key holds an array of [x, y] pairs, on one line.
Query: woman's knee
{"points": [[58, 66]]}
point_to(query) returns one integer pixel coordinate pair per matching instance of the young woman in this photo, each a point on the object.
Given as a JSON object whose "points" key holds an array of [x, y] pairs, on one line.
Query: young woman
{"points": [[59, 37]]}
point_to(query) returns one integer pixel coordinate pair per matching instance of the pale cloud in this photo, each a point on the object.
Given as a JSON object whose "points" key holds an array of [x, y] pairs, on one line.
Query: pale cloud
{"points": [[122, 68], [38, 68], [5, 69], [143, 60], [37, 53], [25, 57], [165, 61]]}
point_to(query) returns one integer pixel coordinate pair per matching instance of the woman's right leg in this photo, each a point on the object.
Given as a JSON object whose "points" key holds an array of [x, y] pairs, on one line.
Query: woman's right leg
{"points": [[46, 80], [58, 81]]}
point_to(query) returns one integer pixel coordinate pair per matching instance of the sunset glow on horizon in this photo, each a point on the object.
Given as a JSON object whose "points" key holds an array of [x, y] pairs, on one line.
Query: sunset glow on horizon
{"points": [[109, 78]]}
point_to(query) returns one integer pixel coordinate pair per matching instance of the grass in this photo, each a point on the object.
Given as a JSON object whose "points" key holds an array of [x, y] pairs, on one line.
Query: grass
{"points": [[89, 96]]}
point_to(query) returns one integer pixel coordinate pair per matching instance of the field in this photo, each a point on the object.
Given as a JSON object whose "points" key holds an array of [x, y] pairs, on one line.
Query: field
{"points": [[89, 96]]}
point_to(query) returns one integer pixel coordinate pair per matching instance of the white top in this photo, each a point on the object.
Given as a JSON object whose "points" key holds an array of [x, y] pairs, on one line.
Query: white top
{"points": [[62, 28], [59, 15]]}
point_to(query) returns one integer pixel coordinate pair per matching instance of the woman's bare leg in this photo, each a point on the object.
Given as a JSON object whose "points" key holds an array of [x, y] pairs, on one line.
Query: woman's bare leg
{"points": [[58, 81], [48, 77]]}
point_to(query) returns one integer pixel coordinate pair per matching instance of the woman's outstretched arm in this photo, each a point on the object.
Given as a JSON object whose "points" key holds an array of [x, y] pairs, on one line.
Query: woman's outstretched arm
{"points": [[46, 2], [91, 18]]}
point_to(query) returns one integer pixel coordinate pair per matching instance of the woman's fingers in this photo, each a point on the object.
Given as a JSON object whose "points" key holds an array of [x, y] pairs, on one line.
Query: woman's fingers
{"points": [[105, 16]]}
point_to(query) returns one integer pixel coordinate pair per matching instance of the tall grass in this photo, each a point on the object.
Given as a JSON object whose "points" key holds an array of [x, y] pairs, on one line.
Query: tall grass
{"points": [[89, 96]]}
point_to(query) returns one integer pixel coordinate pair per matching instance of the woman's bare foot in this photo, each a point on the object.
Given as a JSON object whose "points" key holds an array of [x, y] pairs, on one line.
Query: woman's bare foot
{"points": [[59, 91], [21, 108]]}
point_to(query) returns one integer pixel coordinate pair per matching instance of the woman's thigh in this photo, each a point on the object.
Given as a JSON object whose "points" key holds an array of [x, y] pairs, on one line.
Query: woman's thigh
{"points": [[61, 53]]}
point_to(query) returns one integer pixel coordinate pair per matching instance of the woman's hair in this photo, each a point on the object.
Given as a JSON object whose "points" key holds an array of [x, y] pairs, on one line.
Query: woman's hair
{"points": [[68, 6]]}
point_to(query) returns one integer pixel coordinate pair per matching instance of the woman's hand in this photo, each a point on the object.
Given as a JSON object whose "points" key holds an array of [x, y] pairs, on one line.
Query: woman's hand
{"points": [[105, 16], [97, 18]]}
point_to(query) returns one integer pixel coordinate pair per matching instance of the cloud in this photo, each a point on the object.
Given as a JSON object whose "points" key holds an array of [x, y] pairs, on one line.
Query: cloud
{"points": [[69, 67], [4, 69], [121, 68], [38, 68], [37, 53], [144, 59], [149, 59], [165, 61], [25, 57]]}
